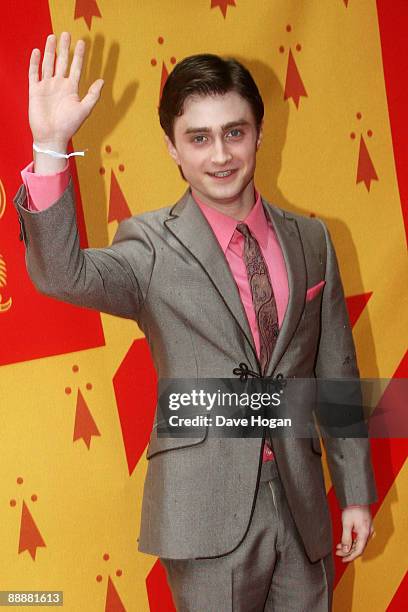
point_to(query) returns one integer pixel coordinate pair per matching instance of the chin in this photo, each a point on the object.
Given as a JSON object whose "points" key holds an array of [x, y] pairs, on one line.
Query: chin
{"points": [[228, 191], [222, 193]]}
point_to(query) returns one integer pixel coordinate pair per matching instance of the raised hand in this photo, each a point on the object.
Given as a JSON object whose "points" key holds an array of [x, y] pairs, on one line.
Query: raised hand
{"points": [[55, 110]]}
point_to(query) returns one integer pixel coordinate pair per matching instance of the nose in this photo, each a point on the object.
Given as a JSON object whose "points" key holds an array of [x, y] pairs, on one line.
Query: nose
{"points": [[220, 154]]}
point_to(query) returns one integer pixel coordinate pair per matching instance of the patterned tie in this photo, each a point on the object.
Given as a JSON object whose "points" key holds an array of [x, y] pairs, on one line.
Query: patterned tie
{"points": [[262, 296]]}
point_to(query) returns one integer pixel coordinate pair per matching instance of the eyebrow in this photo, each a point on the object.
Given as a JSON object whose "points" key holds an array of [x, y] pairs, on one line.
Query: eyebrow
{"points": [[226, 126]]}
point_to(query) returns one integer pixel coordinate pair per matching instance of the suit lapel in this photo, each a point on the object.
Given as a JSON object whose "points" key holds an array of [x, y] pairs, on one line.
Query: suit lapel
{"points": [[288, 236], [187, 223], [189, 226]]}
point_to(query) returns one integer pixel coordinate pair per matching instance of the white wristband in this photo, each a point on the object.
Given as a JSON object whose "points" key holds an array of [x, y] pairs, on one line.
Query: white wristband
{"points": [[55, 153]]}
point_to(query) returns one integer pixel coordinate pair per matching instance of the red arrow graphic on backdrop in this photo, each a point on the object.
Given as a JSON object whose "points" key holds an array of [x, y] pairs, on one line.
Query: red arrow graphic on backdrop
{"points": [[87, 9], [294, 87], [164, 75], [30, 536], [365, 170], [113, 601], [222, 5], [85, 426], [118, 206]]}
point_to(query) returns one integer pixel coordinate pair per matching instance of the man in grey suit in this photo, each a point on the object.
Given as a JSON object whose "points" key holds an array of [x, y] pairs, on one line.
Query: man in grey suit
{"points": [[235, 529]]}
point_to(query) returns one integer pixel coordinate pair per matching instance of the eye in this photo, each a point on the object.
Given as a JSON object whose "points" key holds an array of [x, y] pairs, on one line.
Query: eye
{"points": [[235, 133], [199, 139]]}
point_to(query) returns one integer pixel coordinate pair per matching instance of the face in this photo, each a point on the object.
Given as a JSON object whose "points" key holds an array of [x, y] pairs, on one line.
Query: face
{"points": [[215, 143]]}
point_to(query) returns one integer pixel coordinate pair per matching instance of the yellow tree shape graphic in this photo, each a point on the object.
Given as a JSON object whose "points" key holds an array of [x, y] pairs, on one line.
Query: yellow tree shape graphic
{"points": [[4, 306]]}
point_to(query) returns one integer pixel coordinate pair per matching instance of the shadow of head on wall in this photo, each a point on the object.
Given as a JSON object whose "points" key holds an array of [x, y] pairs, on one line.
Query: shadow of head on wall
{"points": [[268, 170]]}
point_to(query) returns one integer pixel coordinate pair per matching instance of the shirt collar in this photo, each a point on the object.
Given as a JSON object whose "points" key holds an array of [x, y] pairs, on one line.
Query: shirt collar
{"points": [[224, 226]]}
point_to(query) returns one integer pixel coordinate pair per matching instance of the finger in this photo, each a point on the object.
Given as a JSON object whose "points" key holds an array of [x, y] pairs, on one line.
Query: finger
{"points": [[63, 54], [33, 68], [340, 552], [344, 554], [346, 539], [49, 56], [358, 546], [364, 537], [77, 61], [355, 552], [91, 98]]}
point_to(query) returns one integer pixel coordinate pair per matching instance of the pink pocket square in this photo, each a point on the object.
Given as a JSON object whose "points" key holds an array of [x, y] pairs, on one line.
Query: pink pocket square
{"points": [[313, 291]]}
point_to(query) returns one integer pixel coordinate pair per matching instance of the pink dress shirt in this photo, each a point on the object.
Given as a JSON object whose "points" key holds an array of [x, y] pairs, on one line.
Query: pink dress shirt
{"points": [[232, 244], [44, 190]]}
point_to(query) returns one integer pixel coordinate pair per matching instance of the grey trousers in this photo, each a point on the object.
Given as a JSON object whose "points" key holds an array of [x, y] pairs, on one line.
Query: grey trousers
{"points": [[268, 572]]}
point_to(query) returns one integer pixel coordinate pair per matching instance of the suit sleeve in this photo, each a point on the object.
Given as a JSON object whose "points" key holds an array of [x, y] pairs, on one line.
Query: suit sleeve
{"points": [[349, 459], [113, 279]]}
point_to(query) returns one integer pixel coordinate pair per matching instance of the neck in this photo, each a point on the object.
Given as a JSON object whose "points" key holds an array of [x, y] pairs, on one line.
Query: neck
{"points": [[238, 207]]}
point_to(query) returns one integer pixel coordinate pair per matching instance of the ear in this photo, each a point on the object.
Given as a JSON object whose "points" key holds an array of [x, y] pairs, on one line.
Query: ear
{"points": [[172, 149], [260, 135]]}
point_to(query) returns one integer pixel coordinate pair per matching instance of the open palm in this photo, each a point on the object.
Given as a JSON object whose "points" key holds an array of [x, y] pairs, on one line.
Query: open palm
{"points": [[55, 110]]}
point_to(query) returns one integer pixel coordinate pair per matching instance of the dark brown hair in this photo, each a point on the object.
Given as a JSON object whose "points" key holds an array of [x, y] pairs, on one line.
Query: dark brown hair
{"points": [[206, 75]]}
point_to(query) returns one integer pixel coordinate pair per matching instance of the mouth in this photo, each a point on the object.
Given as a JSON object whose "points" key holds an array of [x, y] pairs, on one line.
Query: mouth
{"points": [[222, 174]]}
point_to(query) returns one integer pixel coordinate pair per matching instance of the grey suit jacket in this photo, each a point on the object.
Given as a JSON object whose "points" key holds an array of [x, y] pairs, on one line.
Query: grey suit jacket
{"points": [[166, 270]]}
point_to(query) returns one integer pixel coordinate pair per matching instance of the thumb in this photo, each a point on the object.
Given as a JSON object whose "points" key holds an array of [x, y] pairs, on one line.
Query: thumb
{"points": [[346, 538], [91, 98]]}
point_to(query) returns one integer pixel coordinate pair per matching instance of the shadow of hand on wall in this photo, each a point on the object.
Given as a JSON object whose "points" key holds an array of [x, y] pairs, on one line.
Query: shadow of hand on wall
{"points": [[93, 135]]}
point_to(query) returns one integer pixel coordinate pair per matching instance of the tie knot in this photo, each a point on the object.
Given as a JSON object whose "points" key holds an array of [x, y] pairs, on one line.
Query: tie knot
{"points": [[243, 229]]}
